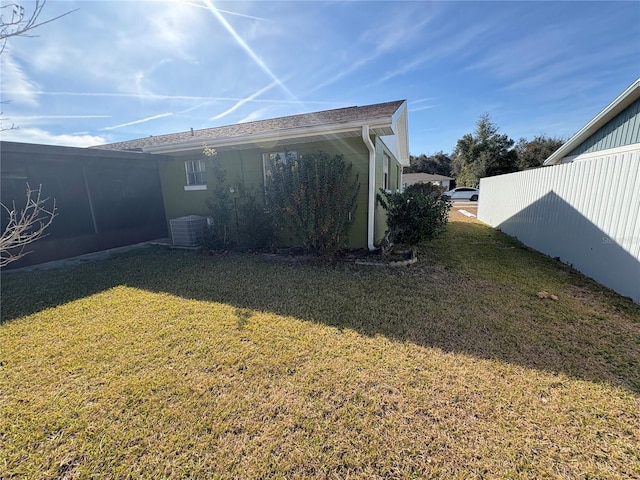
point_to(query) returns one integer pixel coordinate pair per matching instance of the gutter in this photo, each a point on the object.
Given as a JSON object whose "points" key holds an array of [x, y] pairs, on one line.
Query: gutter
{"points": [[372, 186], [270, 136]]}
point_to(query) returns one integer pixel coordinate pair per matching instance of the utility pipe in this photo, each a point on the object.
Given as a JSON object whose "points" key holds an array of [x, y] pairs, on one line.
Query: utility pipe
{"points": [[372, 186]]}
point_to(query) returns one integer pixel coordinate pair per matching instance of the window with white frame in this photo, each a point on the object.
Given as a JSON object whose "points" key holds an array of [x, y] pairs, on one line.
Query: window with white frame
{"points": [[285, 157], [385, 172], [196, 172], [268, 158]]}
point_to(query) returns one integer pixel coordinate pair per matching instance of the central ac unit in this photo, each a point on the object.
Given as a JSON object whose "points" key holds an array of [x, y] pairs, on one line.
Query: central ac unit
{"points": [[188, 231]]}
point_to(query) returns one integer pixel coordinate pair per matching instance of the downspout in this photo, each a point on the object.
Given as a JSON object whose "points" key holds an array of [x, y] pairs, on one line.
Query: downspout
{"points": [[372, 186]]}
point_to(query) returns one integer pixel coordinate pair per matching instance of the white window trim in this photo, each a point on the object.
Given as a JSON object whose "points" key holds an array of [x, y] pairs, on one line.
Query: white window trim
{"points": [[265, 158], [385, 171], [188, 188], [202, 164]]}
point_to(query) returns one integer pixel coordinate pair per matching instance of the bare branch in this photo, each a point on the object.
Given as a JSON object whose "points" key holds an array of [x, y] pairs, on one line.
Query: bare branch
{"points": [[2, 119], [25, 226], [16, 22]]}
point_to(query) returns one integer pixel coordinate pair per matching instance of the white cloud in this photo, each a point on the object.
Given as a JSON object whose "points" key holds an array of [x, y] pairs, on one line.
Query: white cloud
{"points": [[31, 118], [37, 135], [421, 108], [142, 120], [253, 116], [436, 50], [117, 47], [16, 86], [397, 34], [226, 12], [245, 100], [245, 46]]}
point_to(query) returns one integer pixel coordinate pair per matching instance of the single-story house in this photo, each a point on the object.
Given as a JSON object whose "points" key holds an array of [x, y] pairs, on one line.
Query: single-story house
{"points": [[373, 138], [409, 179], [584, 206], [104, 199]]}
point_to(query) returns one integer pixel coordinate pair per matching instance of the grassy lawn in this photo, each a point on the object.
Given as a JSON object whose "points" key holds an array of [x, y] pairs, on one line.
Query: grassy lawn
{"points": [[164, 364]]}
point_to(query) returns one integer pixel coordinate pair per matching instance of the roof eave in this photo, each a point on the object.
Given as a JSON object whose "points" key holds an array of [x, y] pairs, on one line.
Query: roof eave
{"points": [[626, 98], [382, 124], [400, 126]]}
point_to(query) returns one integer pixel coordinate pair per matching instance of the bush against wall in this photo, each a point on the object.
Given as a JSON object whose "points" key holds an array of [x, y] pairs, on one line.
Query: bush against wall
{"points": [[238, 219], [254, 223], [413, 217], [313, 198], [218, 233]]}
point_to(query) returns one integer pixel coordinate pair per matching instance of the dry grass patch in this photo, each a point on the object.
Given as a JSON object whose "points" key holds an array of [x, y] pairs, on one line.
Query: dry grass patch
{"points": [[165, 365]]}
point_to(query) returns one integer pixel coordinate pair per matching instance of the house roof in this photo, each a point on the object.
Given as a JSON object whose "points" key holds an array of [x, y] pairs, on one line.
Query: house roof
{"points": [[626, 98], [383, 119], [411, 178]]}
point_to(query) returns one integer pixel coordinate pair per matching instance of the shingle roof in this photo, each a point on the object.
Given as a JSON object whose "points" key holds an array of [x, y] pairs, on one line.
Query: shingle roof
{"points": [[328, 117]]}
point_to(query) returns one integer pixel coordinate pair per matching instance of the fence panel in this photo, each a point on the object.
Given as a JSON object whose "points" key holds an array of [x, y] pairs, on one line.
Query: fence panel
{"points": [[585, 213]]}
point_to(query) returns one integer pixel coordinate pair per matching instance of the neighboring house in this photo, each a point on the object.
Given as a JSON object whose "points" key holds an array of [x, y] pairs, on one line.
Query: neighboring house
{"points": [[585, 206], [613, 133], [409, 179], [373, 138], [104, 199]]}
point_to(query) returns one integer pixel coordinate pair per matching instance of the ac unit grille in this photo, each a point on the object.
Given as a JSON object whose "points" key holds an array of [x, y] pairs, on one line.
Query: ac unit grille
{"points": [[188, 231]]}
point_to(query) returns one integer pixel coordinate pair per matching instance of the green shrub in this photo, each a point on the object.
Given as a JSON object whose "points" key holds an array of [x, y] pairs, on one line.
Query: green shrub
{"points": [[255, 223], [413, 217], [238, 220], [217, 235], [313, 198]]}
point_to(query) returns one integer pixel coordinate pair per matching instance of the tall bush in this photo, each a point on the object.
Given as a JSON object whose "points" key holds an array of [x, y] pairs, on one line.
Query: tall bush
{"points": [[237, 221], [313, 198], [413, 217], [218, 234], [254, 222]]}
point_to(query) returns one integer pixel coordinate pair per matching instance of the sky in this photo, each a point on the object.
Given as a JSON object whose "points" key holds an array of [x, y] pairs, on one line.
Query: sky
{"points": [[117, 70]]}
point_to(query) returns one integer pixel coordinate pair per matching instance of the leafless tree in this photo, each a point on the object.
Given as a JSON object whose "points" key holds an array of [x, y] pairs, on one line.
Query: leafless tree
{"points": [[15, 21], [29, 224], [24, 226]]}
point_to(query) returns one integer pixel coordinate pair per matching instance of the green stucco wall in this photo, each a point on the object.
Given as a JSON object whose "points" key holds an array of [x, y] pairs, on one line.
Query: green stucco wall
{"points": [[393, 185], [244, 169]]}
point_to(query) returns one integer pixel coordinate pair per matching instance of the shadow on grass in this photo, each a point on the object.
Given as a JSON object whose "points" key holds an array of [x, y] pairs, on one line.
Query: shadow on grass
{"points": [[473, 292]]}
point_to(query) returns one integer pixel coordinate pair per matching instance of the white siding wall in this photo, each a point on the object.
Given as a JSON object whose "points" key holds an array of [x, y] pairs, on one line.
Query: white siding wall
{"points": [[587, 213]]}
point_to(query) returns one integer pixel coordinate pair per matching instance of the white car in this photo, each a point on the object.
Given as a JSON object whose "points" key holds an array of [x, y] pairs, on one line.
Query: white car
{"points": [[463, 193]]}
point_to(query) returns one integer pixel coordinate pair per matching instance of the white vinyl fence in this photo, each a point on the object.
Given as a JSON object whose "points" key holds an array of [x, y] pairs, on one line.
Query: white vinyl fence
{"points": [[585, 212]]}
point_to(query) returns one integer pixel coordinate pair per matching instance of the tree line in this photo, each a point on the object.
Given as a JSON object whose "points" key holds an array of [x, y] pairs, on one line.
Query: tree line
{"points": [[485, 153]]}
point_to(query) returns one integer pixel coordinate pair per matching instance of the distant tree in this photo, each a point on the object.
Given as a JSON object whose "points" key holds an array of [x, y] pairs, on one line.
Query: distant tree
{"points": [[533, 153], [438, 163], [484, 153]]}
